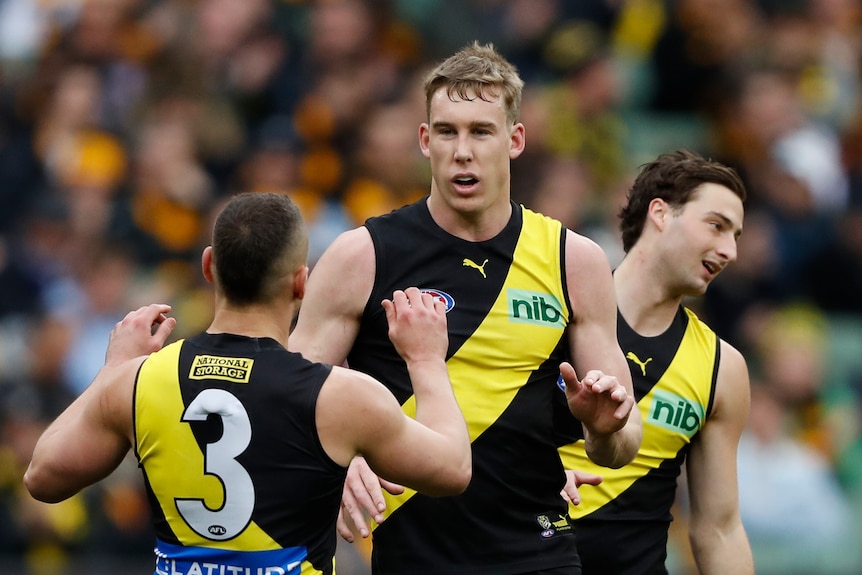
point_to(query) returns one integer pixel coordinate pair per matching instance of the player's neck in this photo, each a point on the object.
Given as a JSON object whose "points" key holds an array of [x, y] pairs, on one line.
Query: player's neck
{"points": [[642, 298], [252, 321], [476, 225]]}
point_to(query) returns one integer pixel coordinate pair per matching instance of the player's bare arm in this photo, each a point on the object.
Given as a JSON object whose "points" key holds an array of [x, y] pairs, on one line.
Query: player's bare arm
{"points": [[90, 438], [337, 291], [717, 535], [604, 399], [430, 453], [363, 488]]}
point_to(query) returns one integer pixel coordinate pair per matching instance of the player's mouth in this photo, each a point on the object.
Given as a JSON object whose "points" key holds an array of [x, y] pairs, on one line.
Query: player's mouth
{"points": [[465, 183], [712, 268]]}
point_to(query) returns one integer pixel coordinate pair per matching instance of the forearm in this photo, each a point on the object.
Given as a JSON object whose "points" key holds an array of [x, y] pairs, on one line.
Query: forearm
{"points": [[718, 552], [430, 451], [436, 406], [614, 450]]}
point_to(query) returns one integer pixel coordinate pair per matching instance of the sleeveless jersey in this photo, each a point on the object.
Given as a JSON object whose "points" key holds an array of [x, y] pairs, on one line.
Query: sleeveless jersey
{"points": [[622, 524], [237, 479], [507, 314]]}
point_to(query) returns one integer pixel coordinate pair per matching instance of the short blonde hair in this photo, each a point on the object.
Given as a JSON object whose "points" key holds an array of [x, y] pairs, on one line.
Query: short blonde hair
{"points": [[481, 70]]}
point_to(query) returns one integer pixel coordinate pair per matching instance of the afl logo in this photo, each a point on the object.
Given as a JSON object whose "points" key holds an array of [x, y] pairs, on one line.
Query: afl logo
{"points": [[216, 530], [441, 296]]}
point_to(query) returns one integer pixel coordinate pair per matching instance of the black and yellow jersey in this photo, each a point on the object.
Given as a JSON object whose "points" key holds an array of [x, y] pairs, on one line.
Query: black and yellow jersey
{"points": [[237, 479], [622, 524], [507, 314]]}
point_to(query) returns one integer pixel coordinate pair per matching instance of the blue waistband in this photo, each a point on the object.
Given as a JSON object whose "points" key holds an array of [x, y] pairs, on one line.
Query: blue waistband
{"points": [[182, 560]]}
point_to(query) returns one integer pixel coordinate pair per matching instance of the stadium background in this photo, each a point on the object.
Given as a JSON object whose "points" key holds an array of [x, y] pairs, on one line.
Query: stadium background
{"points": [[125, 123]]}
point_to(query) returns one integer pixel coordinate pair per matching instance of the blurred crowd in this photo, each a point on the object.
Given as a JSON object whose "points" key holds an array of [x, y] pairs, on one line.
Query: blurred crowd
{"points": [[124, 124]]}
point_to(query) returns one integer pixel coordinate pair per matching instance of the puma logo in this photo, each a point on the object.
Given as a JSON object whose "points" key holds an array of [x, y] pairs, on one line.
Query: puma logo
{"points": [[471, 264], [631, 355]]}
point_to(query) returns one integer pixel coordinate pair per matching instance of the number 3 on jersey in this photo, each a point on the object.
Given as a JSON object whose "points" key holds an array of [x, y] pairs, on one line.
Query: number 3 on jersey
{"points": [[220, 460]]}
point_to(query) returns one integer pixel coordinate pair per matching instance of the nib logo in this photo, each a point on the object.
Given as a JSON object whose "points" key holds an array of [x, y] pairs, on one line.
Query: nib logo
{"points": [[534, 307], [671, 411]]}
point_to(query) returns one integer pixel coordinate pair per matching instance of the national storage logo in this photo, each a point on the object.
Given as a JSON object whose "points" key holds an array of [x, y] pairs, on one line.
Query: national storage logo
{"points": [[535, 308], [233, 369], [673, 412]]}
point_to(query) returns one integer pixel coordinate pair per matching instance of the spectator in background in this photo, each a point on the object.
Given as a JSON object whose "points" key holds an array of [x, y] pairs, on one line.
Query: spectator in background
{"points": [[833, 277], [695, 51], [104, 287], [170, 190], [386, 175], [799, 517], [587, 121]]}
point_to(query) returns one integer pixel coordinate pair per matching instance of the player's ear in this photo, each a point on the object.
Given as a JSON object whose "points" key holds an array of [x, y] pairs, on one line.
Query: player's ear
{"points": [[517, 141], [424, 139], [658, 211], [207, 264], [300, 277]]}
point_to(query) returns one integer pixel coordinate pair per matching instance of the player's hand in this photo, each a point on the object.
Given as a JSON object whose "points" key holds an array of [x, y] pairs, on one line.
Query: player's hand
{"points": [[141, 332], [599, 401], [362, 498], [575, 479], [417, 325]]}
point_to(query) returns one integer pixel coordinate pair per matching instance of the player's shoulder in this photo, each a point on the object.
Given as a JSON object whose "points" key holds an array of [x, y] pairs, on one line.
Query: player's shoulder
{"points": [[731, 356], [114, 390], [733, 388], [584, 253], [351, 246], [352, 239]]}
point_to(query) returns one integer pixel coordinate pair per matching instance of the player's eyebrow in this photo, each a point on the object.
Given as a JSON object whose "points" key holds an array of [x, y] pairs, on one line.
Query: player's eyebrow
{"points": [[728, 222], [473, 125]]}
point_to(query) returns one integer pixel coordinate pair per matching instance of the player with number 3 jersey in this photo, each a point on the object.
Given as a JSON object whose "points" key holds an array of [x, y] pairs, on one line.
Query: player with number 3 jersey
{"points": [[244, 445]]}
